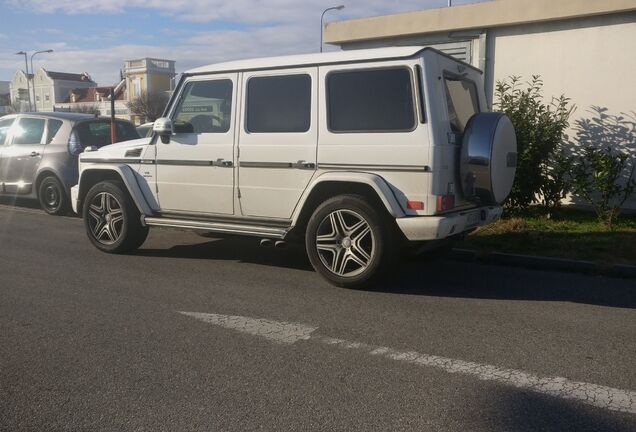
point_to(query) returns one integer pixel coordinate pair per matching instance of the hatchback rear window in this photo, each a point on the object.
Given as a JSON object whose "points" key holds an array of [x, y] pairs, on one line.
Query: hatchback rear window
{"points": [[461, 97], [97, 133]]}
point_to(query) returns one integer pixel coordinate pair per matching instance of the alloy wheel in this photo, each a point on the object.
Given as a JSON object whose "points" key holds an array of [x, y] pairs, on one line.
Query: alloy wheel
{"points": [[345, 243], [106, 218]]}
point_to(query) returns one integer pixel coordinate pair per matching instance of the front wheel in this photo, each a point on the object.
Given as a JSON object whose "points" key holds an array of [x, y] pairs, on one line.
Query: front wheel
{"points": [[349, 242], [112, 221]]}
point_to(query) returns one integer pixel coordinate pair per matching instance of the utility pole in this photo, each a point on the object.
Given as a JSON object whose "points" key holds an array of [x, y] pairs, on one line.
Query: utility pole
{"points": [[113, 125], [26, 67], [322, 17]]}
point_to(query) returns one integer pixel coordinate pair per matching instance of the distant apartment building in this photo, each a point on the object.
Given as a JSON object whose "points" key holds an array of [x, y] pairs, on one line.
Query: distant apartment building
{"points": [[46, 87]]}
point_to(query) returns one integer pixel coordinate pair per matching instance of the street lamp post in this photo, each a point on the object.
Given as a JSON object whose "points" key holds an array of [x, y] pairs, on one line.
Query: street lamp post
{"points": [[341, 7], [33, 72], [26, 66]]}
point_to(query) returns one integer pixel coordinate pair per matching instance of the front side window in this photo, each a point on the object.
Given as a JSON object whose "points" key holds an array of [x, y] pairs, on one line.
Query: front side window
{"points": [[377, 100], [205, 107], [29, 131], [278, 104], [462, 101], [5, 125]]}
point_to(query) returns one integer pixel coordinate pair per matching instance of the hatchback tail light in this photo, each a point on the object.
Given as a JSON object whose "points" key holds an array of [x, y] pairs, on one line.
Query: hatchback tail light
{"points": [[74, 146]]}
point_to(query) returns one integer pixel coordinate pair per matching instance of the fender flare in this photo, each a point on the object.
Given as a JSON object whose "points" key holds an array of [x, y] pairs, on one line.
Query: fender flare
{"points": [[376, 182], [128, 176]]}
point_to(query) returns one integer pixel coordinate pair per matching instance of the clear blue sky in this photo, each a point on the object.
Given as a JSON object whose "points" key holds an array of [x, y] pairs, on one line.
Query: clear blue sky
{"points": [[97, 36]]}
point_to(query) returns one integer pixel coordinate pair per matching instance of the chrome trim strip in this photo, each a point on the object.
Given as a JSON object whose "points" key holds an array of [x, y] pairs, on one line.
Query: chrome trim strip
{"points": [[243, 164], [408, 168], [111, 161], [226, 228], [216, 163], [185, 162]]}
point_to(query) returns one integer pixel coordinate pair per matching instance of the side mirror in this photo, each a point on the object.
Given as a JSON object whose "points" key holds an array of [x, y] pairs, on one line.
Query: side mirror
{"points": [[163, 127]]}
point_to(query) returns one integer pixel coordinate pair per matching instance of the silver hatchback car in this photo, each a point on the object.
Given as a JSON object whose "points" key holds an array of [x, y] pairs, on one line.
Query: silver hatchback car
{"points": [[38, 153]]}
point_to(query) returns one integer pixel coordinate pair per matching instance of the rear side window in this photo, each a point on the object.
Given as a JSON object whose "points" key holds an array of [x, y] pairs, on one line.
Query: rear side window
{"points": [[52, 129], [29, 131], [5, 125], [279, 104], [379, 100], [461, 97], [97, 133]]}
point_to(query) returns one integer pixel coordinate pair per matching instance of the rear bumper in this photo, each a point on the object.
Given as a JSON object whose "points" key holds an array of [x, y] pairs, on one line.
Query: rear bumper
{"points": [[439, 227]]}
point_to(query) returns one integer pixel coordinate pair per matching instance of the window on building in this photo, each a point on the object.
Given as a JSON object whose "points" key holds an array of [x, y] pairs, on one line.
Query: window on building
{"points": [[205, 107], [136, 87], [52, 128], [279, 104], [5, 125], [29, 131], [37, 98], [47, 97], [376, 100], [462, 102]]}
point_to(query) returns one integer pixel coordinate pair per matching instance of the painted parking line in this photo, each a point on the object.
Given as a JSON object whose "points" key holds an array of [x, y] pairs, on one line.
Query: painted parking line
{"points": [[282, 332]]}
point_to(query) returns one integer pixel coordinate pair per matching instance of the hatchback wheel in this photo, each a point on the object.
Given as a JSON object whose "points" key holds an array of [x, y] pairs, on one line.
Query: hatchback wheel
{"points": [[112, 221], [52, 197], [349, 242]]}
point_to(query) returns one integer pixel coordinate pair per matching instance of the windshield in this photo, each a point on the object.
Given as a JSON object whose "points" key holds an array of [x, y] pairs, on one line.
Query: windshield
{"points": [[462, 102], [97, 133]]}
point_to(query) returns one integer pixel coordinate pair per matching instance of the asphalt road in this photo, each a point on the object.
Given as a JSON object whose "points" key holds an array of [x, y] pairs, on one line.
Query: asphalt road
{"points": [[90, 341]]}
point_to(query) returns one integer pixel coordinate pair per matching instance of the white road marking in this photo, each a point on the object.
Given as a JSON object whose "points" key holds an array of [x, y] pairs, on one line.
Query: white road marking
{"points": [[277, 331], [289, 333]]}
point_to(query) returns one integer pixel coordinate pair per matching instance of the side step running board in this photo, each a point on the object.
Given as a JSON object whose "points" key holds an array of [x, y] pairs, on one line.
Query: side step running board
{"points": [[225, 228]]}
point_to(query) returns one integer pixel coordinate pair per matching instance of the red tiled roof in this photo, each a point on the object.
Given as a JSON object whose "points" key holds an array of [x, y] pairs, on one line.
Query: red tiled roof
{"points": [[88, 94]]}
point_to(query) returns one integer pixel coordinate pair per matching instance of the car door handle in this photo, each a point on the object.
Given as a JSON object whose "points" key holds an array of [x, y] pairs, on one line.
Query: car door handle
{"points": [[34, 154], [224, 163], [305, 165]]}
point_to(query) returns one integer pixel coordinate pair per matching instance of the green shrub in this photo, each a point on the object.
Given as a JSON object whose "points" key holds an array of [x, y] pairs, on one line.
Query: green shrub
{"points": [[603, 172], [540, 131]]}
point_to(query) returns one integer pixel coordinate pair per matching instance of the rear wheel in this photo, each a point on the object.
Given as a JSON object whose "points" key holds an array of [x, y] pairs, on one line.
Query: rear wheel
{"points": [[350, 243], [52, 197], [112, 221]]}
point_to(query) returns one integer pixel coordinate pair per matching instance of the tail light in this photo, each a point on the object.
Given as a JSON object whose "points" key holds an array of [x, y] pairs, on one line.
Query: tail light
{"points": [[445, 203], [74, 146]]}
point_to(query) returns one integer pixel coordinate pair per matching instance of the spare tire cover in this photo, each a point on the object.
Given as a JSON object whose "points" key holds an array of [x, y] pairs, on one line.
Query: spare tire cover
{"points": [[488, 158]]}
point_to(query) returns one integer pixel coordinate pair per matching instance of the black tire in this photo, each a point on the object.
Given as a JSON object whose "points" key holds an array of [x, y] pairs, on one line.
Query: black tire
{"points": [[340, 256], [111, 218], [52, 196]]}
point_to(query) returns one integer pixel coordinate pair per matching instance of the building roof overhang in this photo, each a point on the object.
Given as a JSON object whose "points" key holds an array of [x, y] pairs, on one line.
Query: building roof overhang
{"points": [[494, 13]]}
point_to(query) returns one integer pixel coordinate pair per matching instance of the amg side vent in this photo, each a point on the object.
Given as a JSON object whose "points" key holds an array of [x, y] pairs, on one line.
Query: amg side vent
{"points": [[133, 152]]}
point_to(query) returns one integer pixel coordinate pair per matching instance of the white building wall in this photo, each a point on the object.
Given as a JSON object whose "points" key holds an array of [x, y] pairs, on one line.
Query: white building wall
{"points": [[591, 60]]}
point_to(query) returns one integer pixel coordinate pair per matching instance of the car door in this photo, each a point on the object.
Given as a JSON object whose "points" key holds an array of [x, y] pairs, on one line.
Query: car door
{"points": [[23, 154], [195, 170], [277, 140], [5, 128]]}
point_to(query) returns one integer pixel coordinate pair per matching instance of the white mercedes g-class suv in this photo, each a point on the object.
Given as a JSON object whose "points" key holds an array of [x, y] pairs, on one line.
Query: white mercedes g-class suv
{"points": [[355, 153]]}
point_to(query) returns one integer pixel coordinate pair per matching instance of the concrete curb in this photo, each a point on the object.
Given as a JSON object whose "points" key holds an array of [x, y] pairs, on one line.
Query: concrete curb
{"points": [[544, 263]]}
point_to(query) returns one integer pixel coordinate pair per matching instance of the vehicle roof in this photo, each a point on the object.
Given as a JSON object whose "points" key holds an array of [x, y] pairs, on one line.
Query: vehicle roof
{"points": [[69, 116], [311, 59]]}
